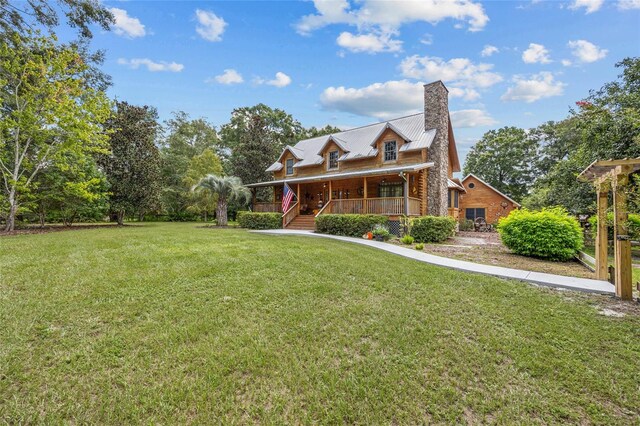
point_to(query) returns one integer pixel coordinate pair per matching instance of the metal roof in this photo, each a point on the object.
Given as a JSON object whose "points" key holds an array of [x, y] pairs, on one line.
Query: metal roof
{"points": [[453, 185], [357, 143], [335, 176]]}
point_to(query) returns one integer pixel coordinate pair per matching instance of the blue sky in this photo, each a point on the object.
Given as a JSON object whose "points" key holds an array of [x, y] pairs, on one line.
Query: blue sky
{"points": [[352, 63]]}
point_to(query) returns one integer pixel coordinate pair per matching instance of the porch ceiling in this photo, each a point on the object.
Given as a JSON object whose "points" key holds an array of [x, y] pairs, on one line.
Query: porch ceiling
{"points": [[334, 176]]}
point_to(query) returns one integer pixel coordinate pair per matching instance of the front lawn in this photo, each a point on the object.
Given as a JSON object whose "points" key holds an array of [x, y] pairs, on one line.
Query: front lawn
{"points": [[175, 323]]}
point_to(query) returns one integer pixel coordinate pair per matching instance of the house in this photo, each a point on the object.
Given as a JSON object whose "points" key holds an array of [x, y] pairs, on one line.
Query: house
{"points": [[399, 167], [479, 199]]}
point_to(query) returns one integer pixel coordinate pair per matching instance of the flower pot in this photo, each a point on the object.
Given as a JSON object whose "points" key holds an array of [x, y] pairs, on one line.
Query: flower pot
{"points": [[379, 238], [369, 235]]}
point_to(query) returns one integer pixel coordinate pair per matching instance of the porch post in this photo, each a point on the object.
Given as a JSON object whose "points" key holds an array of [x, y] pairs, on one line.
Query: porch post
{"points": [[298, 200], [253, 198], [624, 288], [602, 243], [406, 194], [366, 207], [330, 191]]}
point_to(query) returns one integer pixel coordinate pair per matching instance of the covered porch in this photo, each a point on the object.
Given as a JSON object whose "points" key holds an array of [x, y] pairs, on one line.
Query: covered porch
{"points": [[392, 191]]}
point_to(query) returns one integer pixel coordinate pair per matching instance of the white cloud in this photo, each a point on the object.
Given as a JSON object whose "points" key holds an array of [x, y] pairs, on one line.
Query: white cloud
{"points": [[489, 50], [391, 15], [466, 94], [126, 25], [427, 39], [536, 53], [379, 100], [280, 80], [585, 51], [459, 72], [471, 118], [369, 43], [628, 4], [210, 26], [590, 5], [538, 86], [151, 65], [229, 76]]}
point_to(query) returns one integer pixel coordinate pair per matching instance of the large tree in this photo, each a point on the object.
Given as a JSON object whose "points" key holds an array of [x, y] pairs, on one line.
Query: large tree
{"points": [[605, 125], [256, 136], [505, 159], [48, 107], [17, 17], [207, 163], [133, 163], [184, 139]]}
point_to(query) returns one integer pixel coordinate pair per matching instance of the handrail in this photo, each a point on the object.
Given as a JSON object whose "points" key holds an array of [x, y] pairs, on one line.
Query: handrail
{"points": [[323, 207], [287, 217]]}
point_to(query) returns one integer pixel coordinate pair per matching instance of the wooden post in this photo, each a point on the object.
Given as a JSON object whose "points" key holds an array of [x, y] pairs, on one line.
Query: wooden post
{"points": [[274, 194], [366, 208], [622, 242], [406, 194], [253, 198], [602, 240], [330, 191], [298, 199]]}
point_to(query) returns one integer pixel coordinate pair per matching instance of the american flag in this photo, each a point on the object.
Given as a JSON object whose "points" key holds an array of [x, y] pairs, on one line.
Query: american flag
{"points": [[287, 197]]}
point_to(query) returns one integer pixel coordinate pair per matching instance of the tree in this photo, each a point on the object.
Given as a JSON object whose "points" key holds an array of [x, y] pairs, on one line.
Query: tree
{"points": [[48, 108], [227, 189], [72, 188], [133, 164], [256, 136], [605, 125], [186, 138], [18, 17], [207, 163], [313, 132], [504, 158]]}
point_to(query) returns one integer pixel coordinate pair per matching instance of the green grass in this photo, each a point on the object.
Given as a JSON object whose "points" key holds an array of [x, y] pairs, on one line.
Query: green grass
{"points": [[635, 272], [171, 323]]}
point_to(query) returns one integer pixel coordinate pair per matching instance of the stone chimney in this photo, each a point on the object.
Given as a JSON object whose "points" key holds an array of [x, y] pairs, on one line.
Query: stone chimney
{"points": [[436, 116]]}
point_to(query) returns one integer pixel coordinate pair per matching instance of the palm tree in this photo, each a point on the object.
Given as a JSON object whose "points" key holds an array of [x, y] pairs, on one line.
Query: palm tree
{"points": [[228, 189]]}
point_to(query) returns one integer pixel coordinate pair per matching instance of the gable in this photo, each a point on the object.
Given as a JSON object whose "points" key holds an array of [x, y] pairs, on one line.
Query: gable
{"points": [[477, 188]]}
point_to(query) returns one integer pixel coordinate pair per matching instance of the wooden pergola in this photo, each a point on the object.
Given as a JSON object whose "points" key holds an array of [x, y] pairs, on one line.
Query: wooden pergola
{"points": [[613, 175]]}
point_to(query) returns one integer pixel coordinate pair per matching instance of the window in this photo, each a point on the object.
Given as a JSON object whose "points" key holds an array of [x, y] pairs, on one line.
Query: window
{"points": [[390, 152], [333, 160], [471, 185], [290, 166], [453, 197], [456, 194], [388, 189], [473, 214]]}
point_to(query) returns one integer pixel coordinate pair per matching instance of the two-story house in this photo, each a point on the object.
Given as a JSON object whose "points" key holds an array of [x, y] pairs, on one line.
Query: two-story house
{"points": [[399, 167]]}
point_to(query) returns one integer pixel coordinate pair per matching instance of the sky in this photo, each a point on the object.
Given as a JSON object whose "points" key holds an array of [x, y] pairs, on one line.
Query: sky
{"points": [[351, 63]]}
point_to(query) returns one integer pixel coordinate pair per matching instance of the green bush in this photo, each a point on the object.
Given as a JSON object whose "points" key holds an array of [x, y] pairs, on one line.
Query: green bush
{"points": [[466, 225], [255, 220], [420, 246], [548, 234], [407, 239], [634, 226], [351, 225], [381, 232], [432, 229]]}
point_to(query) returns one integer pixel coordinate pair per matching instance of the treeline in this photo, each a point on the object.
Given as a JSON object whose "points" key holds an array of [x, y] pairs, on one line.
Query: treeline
{"points": [[68, 153], [539, 167]]}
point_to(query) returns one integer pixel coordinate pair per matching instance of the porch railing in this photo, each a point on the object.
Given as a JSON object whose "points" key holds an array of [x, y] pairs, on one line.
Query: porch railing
{"points": [[289, 215], [325, 209], [267, 207], [392, 206]]}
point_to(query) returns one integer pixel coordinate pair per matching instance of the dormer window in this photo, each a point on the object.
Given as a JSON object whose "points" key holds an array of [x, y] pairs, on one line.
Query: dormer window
{"points": [[390, 151], [290, 166], [333, 160]]}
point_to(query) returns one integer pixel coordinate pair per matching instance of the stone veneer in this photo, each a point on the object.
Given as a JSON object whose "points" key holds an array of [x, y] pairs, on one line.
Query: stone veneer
{"points": [[436, 116]]}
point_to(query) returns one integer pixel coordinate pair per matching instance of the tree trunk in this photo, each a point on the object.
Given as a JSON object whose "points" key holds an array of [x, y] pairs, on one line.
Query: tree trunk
{"points": [[120, 217], [41, 217], [221, 213], [141, 217], [205, 216], [13, 210]]}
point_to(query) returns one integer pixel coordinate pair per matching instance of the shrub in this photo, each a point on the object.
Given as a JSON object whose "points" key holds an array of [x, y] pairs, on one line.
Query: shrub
{"points": [[407, 239], [466, 225], [420, 246], [634, 226], [548, 234], [351, 225], [255, 220], [432, 229]]}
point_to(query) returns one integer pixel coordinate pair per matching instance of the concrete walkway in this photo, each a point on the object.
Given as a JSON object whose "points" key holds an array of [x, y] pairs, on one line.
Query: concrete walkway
{"points": [[540, 278]]}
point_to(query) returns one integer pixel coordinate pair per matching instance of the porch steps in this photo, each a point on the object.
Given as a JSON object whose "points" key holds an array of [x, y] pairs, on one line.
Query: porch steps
{"points": [[303, 223]]}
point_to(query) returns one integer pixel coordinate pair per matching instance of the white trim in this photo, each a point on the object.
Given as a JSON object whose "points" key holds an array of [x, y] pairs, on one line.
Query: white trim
{"points": [[501, 193]]}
